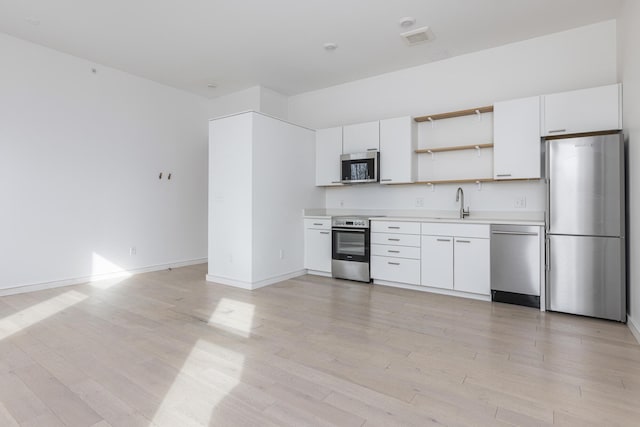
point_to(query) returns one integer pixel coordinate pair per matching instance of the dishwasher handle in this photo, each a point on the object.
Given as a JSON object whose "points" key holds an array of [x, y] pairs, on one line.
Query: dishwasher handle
{"points": [[516, 233]]}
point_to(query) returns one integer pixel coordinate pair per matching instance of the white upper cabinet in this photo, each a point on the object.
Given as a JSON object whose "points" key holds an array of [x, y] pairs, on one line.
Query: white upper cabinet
{"points": [[398, 142], [328, 151], [586, 110], [361, 137], [516, 139]]}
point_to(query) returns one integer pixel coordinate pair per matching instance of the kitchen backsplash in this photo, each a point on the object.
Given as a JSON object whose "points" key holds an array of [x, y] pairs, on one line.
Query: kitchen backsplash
{"points": [[520, 196]]}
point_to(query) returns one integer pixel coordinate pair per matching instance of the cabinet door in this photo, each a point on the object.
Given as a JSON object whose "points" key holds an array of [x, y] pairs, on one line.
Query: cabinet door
{"points": [[471, 264], [437, 262], [317, 250], [398, 141], [586, 110], [517, 149], [361, 137], [328, 151]]}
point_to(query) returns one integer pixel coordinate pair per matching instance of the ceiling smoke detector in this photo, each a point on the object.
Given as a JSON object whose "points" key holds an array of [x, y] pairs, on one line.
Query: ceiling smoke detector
{"points": [[330, 47], [407, 21], [417, 36]]}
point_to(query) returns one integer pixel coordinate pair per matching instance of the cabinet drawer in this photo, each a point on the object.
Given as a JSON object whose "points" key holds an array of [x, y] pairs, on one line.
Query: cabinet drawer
{"points": [[450, 229], [324, 224], [395, 239], [398, 227], [396, 251], [396, 269]]}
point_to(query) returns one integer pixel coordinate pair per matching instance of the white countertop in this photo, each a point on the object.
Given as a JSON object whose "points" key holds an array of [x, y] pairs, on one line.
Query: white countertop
{"points": [[483, 217]]}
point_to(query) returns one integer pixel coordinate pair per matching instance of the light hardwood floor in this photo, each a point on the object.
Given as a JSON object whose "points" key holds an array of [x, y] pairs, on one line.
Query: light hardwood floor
{"points": [[169, 349]]}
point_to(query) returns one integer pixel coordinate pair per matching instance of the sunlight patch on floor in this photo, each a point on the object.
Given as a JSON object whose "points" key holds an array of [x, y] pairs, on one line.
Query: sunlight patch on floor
{"points": [[200, 386], [36, 313], [235, 316], [105, 274]]}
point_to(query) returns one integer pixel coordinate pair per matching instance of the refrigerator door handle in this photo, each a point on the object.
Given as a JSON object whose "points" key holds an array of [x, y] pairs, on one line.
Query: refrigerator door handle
{"points": [[547, 214], [548, 255]]}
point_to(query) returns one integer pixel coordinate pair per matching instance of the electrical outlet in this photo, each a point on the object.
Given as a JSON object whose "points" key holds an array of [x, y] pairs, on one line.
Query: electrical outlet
{"points": [[521, 202], [341, 203], [281, 253], [419, 202], [132, 250]]}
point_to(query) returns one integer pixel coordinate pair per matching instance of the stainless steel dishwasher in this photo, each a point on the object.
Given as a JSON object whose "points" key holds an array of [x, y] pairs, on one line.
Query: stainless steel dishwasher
{"points": [[516, 264]]}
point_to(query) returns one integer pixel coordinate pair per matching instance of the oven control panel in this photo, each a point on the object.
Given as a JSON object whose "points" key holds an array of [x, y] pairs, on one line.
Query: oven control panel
{"points": [[350, 222]]}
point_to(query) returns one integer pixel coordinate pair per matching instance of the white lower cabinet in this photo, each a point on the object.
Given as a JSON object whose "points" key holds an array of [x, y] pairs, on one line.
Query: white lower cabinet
{"points": [[317, 245], [471, 265], [395, 252], [437, 262], [401, 270], [450, 261]]}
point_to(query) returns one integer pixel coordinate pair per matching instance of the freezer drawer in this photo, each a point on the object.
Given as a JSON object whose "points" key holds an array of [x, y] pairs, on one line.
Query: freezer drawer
{"points": [[516, 264], [585, 276]]}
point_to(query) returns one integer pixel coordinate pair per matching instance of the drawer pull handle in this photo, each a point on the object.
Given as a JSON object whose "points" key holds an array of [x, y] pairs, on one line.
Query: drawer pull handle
{"points": [[386, 180], [443, 240], [463, 241], [557, 130], [393, 228], [393, 240], [393, 263], [502, 175], [324, 232], [393, 252], [515, 233], [317, 223], [336, 182]]}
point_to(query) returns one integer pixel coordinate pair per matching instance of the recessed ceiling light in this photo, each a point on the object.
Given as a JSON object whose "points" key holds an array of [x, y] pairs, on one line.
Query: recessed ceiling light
{"points": [[31, 20], [212, 85], [407, 21], [330, 47]]}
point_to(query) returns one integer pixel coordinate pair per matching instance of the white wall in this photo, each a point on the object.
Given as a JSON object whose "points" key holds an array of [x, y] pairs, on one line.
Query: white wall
{"points": [[230, 197], [283, 185], [261, 178], [583, 57], [80, 154], [244, 100], [274, 104], [630, 75], [256, 98], [573, 59]]}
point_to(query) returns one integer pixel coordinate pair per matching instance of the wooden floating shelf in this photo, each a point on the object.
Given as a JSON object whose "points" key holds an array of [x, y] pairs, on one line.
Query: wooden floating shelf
{"points": [[469, 112], [457, 181], [455, 148]]}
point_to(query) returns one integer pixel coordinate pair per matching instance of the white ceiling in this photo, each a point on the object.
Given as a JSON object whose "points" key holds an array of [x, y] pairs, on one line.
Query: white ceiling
{"points": [[278, 44]]}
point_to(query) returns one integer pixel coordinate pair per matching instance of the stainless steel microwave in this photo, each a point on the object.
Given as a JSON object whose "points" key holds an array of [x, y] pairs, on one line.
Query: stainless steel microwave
{"points": [[359, 168]]}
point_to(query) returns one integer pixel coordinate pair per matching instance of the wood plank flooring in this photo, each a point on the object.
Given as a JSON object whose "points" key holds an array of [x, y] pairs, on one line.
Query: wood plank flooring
{"points": [[169, 349]]}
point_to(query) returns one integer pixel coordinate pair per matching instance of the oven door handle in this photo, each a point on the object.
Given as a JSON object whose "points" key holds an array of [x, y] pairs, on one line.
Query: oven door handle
{"points": [[350, 230]]}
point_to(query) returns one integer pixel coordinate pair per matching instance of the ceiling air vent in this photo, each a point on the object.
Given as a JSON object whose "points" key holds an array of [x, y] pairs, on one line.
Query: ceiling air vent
{"points": [[418, 36]]}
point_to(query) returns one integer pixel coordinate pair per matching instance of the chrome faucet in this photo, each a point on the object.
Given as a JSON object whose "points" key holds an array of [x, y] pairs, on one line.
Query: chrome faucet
{"points": [[460, 197]]}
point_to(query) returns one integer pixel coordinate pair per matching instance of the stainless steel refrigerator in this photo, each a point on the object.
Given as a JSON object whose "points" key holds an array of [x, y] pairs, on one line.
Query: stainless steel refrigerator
{"points": [[586, 226]]}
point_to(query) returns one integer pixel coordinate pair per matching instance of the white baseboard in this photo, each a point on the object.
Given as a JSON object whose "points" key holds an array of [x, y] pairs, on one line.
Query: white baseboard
{"points": [[319, 273], [634, 328], [95, 278], [253, 285], [433, 290]]}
